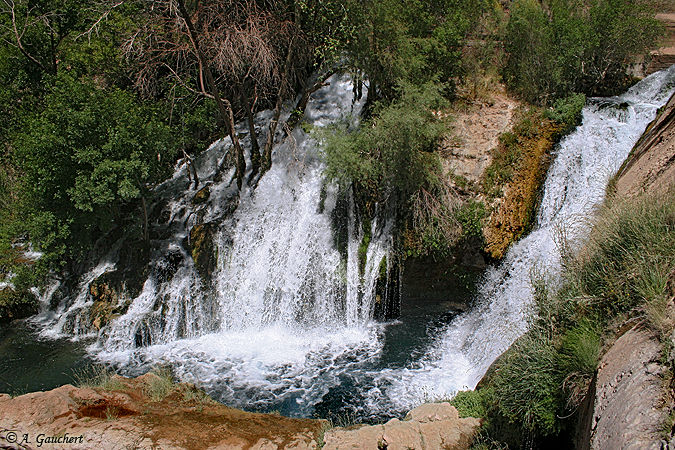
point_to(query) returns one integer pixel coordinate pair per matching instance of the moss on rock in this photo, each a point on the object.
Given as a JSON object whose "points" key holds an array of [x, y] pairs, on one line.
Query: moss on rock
{"points": [[515, 176], [202, 195], [202, 248]]}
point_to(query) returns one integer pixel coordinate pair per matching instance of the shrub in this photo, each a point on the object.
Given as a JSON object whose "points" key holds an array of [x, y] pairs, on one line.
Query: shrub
{"points": [[567, 112], [527, 384], [473, 403], [558, 47]]}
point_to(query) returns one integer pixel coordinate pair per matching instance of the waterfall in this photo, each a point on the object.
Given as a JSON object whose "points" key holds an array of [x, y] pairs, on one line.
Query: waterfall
{"points": [[283, 321], [574, 188], [283, 306]]}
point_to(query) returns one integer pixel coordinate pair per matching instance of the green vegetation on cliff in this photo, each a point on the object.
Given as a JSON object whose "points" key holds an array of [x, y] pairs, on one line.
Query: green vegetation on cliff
{"points": [[558, 47], [624, 271]]}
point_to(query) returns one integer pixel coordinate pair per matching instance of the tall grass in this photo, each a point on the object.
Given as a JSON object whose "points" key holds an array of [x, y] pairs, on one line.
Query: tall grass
{"points": [[622, 271]]}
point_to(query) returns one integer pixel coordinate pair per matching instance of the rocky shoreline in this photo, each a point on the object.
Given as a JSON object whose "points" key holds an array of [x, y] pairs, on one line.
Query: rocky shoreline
{"points": [[152, 412]]}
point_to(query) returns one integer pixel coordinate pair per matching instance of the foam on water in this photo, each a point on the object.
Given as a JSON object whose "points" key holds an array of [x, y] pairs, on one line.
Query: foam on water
{"points": [[574, 188], [286, 322]]}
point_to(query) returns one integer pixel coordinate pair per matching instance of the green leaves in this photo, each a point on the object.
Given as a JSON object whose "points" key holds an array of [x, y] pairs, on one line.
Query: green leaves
{"points": [[559, 47], [85, 155], [391, 154]]}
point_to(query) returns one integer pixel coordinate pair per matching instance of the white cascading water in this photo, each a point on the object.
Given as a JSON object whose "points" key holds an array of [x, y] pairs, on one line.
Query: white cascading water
{"points": [[287, 319], [285, 314], [574, 188]]}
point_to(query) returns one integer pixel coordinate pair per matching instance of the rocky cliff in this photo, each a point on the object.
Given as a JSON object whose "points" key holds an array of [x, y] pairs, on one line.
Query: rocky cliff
{"points": [[650, 168]]}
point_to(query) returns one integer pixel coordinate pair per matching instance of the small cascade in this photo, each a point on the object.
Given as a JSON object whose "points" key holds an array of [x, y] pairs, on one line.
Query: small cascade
{"points": [[574, 188]]}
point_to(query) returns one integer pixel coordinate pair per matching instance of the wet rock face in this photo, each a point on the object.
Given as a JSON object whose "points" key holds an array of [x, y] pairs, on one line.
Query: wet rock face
{"points": [[430, 426], [202, 248], [202, 196], [112, 291], [388, 292], [106, 295]]}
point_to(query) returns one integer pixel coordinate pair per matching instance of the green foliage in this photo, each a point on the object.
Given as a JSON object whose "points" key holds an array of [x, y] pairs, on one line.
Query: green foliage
{"points": [[567, 112], [394, 42], [628, 258], [580, 349], [558, 47], [16, 304], [624, 267], [473, 403], [471, 215], [527, 384], [392, 154], [85, 155]]}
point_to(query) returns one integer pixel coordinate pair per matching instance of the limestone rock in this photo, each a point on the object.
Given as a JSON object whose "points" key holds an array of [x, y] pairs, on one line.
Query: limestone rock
{"points": [[430, 426], [366, 436], [432, 412], [650, 167], [128, 418], [628, 408]]}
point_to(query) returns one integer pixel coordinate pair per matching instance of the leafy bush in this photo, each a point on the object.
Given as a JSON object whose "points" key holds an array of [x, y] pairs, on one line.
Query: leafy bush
{"points": [[85, 156], [567, 112], [470, 215], [413, 42], [558, 47], [391, 155]]}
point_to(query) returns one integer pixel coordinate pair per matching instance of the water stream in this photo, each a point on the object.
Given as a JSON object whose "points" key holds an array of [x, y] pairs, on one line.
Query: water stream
{"points": [[285, 322]]}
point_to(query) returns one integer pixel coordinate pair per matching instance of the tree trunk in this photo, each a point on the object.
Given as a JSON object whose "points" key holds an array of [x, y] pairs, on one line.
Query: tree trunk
{"points": [[146, 233], [269, 144], [255, 148], [191, 169], [224, 106]]}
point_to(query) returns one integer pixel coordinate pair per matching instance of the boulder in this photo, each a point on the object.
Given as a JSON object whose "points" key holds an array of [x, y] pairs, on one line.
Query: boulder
{"points": [[431, 426]]}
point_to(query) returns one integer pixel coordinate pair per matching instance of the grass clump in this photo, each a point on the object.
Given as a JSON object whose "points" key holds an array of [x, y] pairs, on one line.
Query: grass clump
{"points": [[159, 386], [192, 394], [473, 403], [101, 377]]}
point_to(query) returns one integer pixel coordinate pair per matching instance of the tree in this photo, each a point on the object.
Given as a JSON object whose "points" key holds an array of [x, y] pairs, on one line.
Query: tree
{"points": [[242, 54], [86, 156], [558, 47]]}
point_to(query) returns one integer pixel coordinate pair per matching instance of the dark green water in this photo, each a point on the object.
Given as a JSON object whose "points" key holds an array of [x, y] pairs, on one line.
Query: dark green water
{"points": [[29, 363]]}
